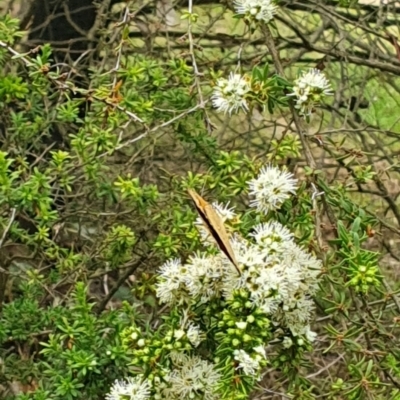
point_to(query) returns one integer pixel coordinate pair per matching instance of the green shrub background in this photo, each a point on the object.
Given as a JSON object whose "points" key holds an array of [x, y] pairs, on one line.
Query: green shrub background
{"points": [[94, 168]]}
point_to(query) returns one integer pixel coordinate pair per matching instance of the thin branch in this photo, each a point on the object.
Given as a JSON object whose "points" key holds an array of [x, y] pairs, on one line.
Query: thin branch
{"points": [[7, 228]]}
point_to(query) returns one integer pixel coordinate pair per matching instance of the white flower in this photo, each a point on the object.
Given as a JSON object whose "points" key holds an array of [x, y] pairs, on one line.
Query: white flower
{"points": [[274, 286], [204, 276], [247, 253], [309, 89], [271, 188], [249, 365], [278, 279], [230, 94], [117, 390], [272, 236], [170, 287], [259, 10], [305, 262], [136, 389], [192, 378], [194, 335], [177, 357], [130, 389], [298, 316], [224, 211]]}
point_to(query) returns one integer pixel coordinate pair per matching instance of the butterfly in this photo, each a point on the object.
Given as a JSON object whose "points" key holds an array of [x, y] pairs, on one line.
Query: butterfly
{"points": [[215, 226]]}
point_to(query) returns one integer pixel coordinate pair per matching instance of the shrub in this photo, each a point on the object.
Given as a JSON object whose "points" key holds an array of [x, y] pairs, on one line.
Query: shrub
{"points": [[110, 283]]}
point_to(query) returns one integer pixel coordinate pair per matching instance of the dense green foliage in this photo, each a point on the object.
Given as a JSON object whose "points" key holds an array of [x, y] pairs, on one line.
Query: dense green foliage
{"points": [[93, 201]]}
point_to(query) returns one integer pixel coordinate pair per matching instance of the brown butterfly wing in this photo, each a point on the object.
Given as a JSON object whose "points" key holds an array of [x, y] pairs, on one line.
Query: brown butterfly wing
{"points": [[215, 226], [221, 236]]}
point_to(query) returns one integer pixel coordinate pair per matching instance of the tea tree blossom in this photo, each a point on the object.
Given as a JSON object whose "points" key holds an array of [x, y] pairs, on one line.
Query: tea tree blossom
{"points": [[248, 364], [194, 335], [230, 94], [309, 90], [191, 378], [272, 234], [256, 10], [170, 287], [251, 364], [271, 188], [130, 389], [237, 315], [278, 276]]}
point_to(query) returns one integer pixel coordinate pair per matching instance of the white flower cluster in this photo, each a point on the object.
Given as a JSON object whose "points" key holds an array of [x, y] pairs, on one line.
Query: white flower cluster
{"points": [[230, 94], [309, 90], [190, 378], [278, 275], [250, 364], [258, 10], [199, 278], [130, 389], [271, 188], [193, 334]]}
